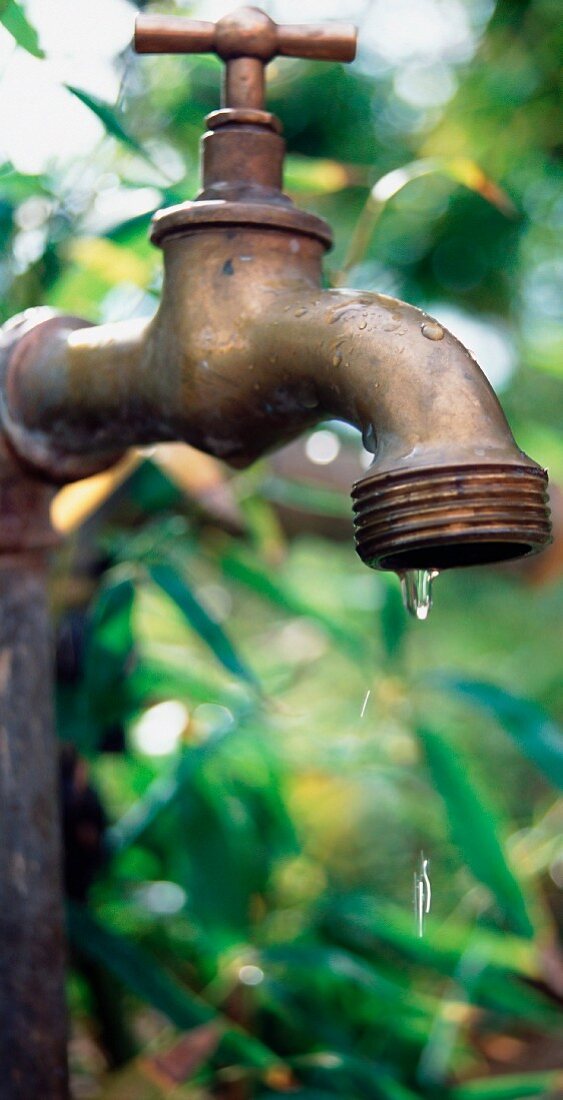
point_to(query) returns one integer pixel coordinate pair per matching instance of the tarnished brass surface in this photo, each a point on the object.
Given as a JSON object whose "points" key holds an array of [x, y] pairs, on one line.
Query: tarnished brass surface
{"points": [[246, 351], [247, 32], [24, 340], [243, 152], [448, 516]]}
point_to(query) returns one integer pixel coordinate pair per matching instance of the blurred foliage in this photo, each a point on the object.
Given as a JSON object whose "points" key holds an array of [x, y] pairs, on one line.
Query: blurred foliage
{"points": [[251, 931]]}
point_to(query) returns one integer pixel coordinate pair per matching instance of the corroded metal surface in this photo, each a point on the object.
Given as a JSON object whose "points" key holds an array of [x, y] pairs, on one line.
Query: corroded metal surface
{"points": [[247, 32], [24, 507], [444, 517], [23, 343], [243, 152], [178, 220], [32, 1004], [246, 351]]}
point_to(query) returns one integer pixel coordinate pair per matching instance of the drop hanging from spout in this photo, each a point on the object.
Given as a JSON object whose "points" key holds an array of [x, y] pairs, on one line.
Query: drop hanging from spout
{"points": [[416, 587]]}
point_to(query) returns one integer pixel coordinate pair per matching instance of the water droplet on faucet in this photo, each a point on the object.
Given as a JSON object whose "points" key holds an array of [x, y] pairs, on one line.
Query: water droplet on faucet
{"points": [[368, 439], [416, 586], [432, 330]]}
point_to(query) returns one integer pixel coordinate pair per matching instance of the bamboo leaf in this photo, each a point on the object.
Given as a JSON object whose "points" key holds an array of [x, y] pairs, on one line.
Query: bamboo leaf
{"points": [[459, 169], [367, 921], [364, 924], [512, 1087], [140, 972], [306, 497], [14, 19], [110, 649], [475, 829], [261, 582], [177, 589], [394, 622], [536, 734], [109, 119], [164, 672], [351, 1075]]}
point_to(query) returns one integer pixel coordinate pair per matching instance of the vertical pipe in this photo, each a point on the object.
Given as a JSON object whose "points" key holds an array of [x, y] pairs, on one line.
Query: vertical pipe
{"points": [[244, 83], [32, 951]]}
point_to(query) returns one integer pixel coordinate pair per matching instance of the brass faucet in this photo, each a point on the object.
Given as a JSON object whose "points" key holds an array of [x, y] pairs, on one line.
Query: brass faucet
{"points": [[246, 351]]}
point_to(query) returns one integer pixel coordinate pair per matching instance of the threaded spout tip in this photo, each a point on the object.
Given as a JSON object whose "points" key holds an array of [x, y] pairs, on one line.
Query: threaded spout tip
{"points": [[451, 516]]}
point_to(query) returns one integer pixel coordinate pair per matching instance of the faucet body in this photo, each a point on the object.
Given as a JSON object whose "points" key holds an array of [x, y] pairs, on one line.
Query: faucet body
{"points": [[245, 352]]}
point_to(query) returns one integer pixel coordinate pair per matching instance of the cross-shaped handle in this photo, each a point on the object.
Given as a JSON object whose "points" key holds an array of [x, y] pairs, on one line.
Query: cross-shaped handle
{"points": [[246, 40]]}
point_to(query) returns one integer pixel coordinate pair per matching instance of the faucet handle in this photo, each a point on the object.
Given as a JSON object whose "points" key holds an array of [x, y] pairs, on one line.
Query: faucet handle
{"points": [[246, 40]]}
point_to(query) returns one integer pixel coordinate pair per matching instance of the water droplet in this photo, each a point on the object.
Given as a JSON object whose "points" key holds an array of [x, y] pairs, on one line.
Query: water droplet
{"points": [[368, 439], [422, 894], [432, 330], [300, 312], [336, 360], [363, 324], [307, 395], [416, 586], [390, 326]]}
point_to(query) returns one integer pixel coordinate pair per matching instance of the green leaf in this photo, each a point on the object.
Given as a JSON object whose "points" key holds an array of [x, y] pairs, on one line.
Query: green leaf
{"points": [[110, 121], [475, 829], [512, 1087], [408, 1012], [306, 497], [140, 972], [13, 17], [163, 672], [351, 1076], [276, 591], [461, 170], [159, 796], [394, 621], [536, 734], [177, 589], [111, 644], [366, 922]]}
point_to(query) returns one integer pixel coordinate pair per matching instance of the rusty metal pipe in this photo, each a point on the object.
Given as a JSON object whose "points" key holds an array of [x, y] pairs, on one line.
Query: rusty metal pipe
{"points": [[32, 959]]}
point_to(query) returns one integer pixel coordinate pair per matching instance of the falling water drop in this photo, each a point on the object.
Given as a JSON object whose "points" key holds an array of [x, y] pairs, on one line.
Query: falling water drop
{"points": [[365, 703], [416, 586]]}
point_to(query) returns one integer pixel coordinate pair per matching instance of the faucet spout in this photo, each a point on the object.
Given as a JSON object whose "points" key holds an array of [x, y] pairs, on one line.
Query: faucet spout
{"points": [[448, 485]]}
